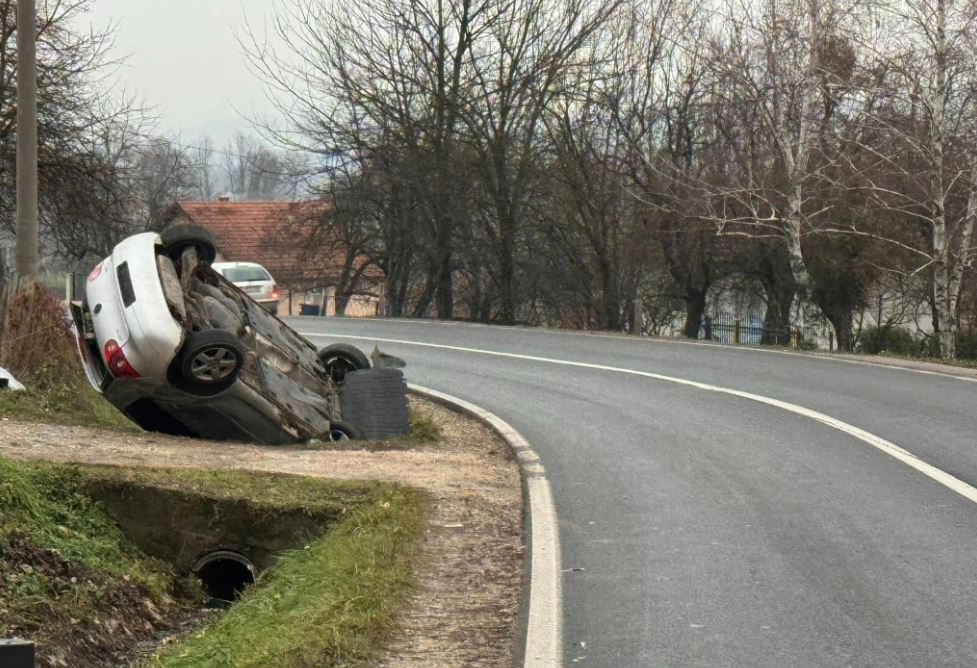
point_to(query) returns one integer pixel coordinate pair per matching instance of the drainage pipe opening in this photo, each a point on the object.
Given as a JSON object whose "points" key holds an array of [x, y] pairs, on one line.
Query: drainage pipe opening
{"points": [[224, 576]]}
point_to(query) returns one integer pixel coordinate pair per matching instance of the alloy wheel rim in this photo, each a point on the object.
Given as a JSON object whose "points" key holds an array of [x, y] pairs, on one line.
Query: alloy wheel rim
{"points": [[213, 365]]}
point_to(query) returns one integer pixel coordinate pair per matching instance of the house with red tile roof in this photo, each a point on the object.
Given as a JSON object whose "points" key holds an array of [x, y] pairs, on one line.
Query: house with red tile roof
{"points": [[276, 235]]}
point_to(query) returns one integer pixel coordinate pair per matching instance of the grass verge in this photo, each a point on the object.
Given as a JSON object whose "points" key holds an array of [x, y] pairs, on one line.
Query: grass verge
{"points": [[69, 578], [330, 603], [959, 363], [62, 395], [74, 583]]}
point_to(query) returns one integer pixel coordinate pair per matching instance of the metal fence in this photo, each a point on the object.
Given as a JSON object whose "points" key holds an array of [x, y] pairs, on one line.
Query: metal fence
{"points": [[725, 328]]}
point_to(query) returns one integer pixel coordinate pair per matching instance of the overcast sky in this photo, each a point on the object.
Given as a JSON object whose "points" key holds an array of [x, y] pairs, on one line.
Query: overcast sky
{"points": [[183, 59]]}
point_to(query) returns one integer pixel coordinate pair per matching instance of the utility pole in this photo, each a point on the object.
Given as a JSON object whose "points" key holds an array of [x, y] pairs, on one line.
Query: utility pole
{"points": [[27, 225]]}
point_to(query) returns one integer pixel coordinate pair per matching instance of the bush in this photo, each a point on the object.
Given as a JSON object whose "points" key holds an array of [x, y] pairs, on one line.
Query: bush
{"points": [[423, 427], [36, 339], [875, 340], [967, 344], [37, 347]]}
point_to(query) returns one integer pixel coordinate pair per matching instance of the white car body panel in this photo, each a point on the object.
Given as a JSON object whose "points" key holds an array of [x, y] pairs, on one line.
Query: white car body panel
{"points": [[148, 334], [102, 294]]}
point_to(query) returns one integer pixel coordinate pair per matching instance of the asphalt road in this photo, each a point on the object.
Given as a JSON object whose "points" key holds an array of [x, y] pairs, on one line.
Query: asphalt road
{"points": [[703, 529]]}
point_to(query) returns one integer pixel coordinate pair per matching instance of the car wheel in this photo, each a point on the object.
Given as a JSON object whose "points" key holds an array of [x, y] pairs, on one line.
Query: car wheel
{"points": [[176, 238], [341, 358], [340, 431], [211, 360]]}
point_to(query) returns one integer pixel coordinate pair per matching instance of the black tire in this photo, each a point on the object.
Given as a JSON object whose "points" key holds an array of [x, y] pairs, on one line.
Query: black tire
{"points": [[176, 238], [343, 431], [210, 361], [376, 402], [342, 358]]}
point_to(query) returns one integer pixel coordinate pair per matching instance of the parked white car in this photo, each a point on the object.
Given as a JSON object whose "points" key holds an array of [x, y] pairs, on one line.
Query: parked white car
{"points": [[180, 350], [254, 280]]}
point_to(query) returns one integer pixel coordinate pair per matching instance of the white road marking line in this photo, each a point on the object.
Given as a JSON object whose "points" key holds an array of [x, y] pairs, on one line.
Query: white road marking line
{"points": [[889, 448], [682, 342], [544, 628]]}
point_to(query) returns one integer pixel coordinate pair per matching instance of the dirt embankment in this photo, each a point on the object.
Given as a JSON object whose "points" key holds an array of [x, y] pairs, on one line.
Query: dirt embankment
{"points": [[463, 611]]}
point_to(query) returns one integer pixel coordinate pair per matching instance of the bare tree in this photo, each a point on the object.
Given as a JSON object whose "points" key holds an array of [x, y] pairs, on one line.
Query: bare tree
{"points": [[70, 64], [251, 170], [525, 54], [913, 152], [775, 65]]}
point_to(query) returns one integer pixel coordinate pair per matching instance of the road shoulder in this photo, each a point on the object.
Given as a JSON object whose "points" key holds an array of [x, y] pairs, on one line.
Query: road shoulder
{"points": [[466, 600]]}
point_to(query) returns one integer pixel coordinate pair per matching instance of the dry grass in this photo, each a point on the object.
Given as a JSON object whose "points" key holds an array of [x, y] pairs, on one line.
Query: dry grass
{"points": [[36, 336], [38, 348]]}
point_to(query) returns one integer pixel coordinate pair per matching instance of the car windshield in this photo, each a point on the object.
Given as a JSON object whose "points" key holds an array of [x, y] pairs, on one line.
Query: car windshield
{"points": [[245, 274]]}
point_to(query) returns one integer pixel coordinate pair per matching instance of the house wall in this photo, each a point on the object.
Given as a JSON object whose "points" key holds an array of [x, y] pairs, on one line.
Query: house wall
{"points": [[358, 307]]}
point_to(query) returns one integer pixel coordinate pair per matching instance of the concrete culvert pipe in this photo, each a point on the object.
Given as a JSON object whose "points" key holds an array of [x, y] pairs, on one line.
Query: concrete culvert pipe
{"points": [[224, 575]]}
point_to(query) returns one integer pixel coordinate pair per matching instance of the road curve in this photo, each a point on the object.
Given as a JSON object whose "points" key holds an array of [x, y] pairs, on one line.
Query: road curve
{"points": [[702, 528]]}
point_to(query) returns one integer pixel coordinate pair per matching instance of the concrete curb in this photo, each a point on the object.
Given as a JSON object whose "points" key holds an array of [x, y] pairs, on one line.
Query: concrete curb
{"points": [[542, 623]]}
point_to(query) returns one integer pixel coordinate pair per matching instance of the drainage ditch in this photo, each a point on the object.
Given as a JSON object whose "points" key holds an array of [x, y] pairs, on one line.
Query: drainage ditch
{"points": [[223, 542]]}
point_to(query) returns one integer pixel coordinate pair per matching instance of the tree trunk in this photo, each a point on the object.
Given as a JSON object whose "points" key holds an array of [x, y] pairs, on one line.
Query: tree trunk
{"points": [[776, 319], [507, 273], [964, 253], [610, 316], [842, 323], [695, 307], [427, 295], [943, 328], [396, 289], [342, 301], [444, 284]]}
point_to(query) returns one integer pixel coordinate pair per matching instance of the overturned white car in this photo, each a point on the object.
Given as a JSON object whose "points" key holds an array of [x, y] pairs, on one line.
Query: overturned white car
{"points": [[181, 350]]}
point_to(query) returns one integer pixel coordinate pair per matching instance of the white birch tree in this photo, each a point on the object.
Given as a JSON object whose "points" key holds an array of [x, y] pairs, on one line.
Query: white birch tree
{"points": [[770, 60], [916, 137]]}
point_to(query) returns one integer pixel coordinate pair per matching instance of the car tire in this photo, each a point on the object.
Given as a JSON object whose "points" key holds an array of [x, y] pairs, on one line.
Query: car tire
{"points": [[210, 361], [176, 238], [342, 358], [376, 402], [340, 430]]}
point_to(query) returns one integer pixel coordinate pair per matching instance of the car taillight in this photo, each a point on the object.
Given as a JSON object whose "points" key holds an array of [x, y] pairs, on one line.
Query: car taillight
{"points": [[95, 272], [274, 292], [117, 363]]}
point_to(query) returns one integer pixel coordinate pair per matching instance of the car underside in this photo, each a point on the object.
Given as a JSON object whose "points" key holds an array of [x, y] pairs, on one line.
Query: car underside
{"points": [[280, 392]]}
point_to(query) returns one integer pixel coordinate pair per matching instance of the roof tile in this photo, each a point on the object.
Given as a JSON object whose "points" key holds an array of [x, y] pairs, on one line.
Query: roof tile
{"points": [[269, 233]]}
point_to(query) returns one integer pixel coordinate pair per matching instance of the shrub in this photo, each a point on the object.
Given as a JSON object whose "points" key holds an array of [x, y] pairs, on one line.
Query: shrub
{"points": [[875, 340], [36, 338], [967, 344], [423, 428]]}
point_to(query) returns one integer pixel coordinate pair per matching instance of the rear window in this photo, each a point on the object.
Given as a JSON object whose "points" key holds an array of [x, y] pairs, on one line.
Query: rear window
{"points": [[245, 274]]}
